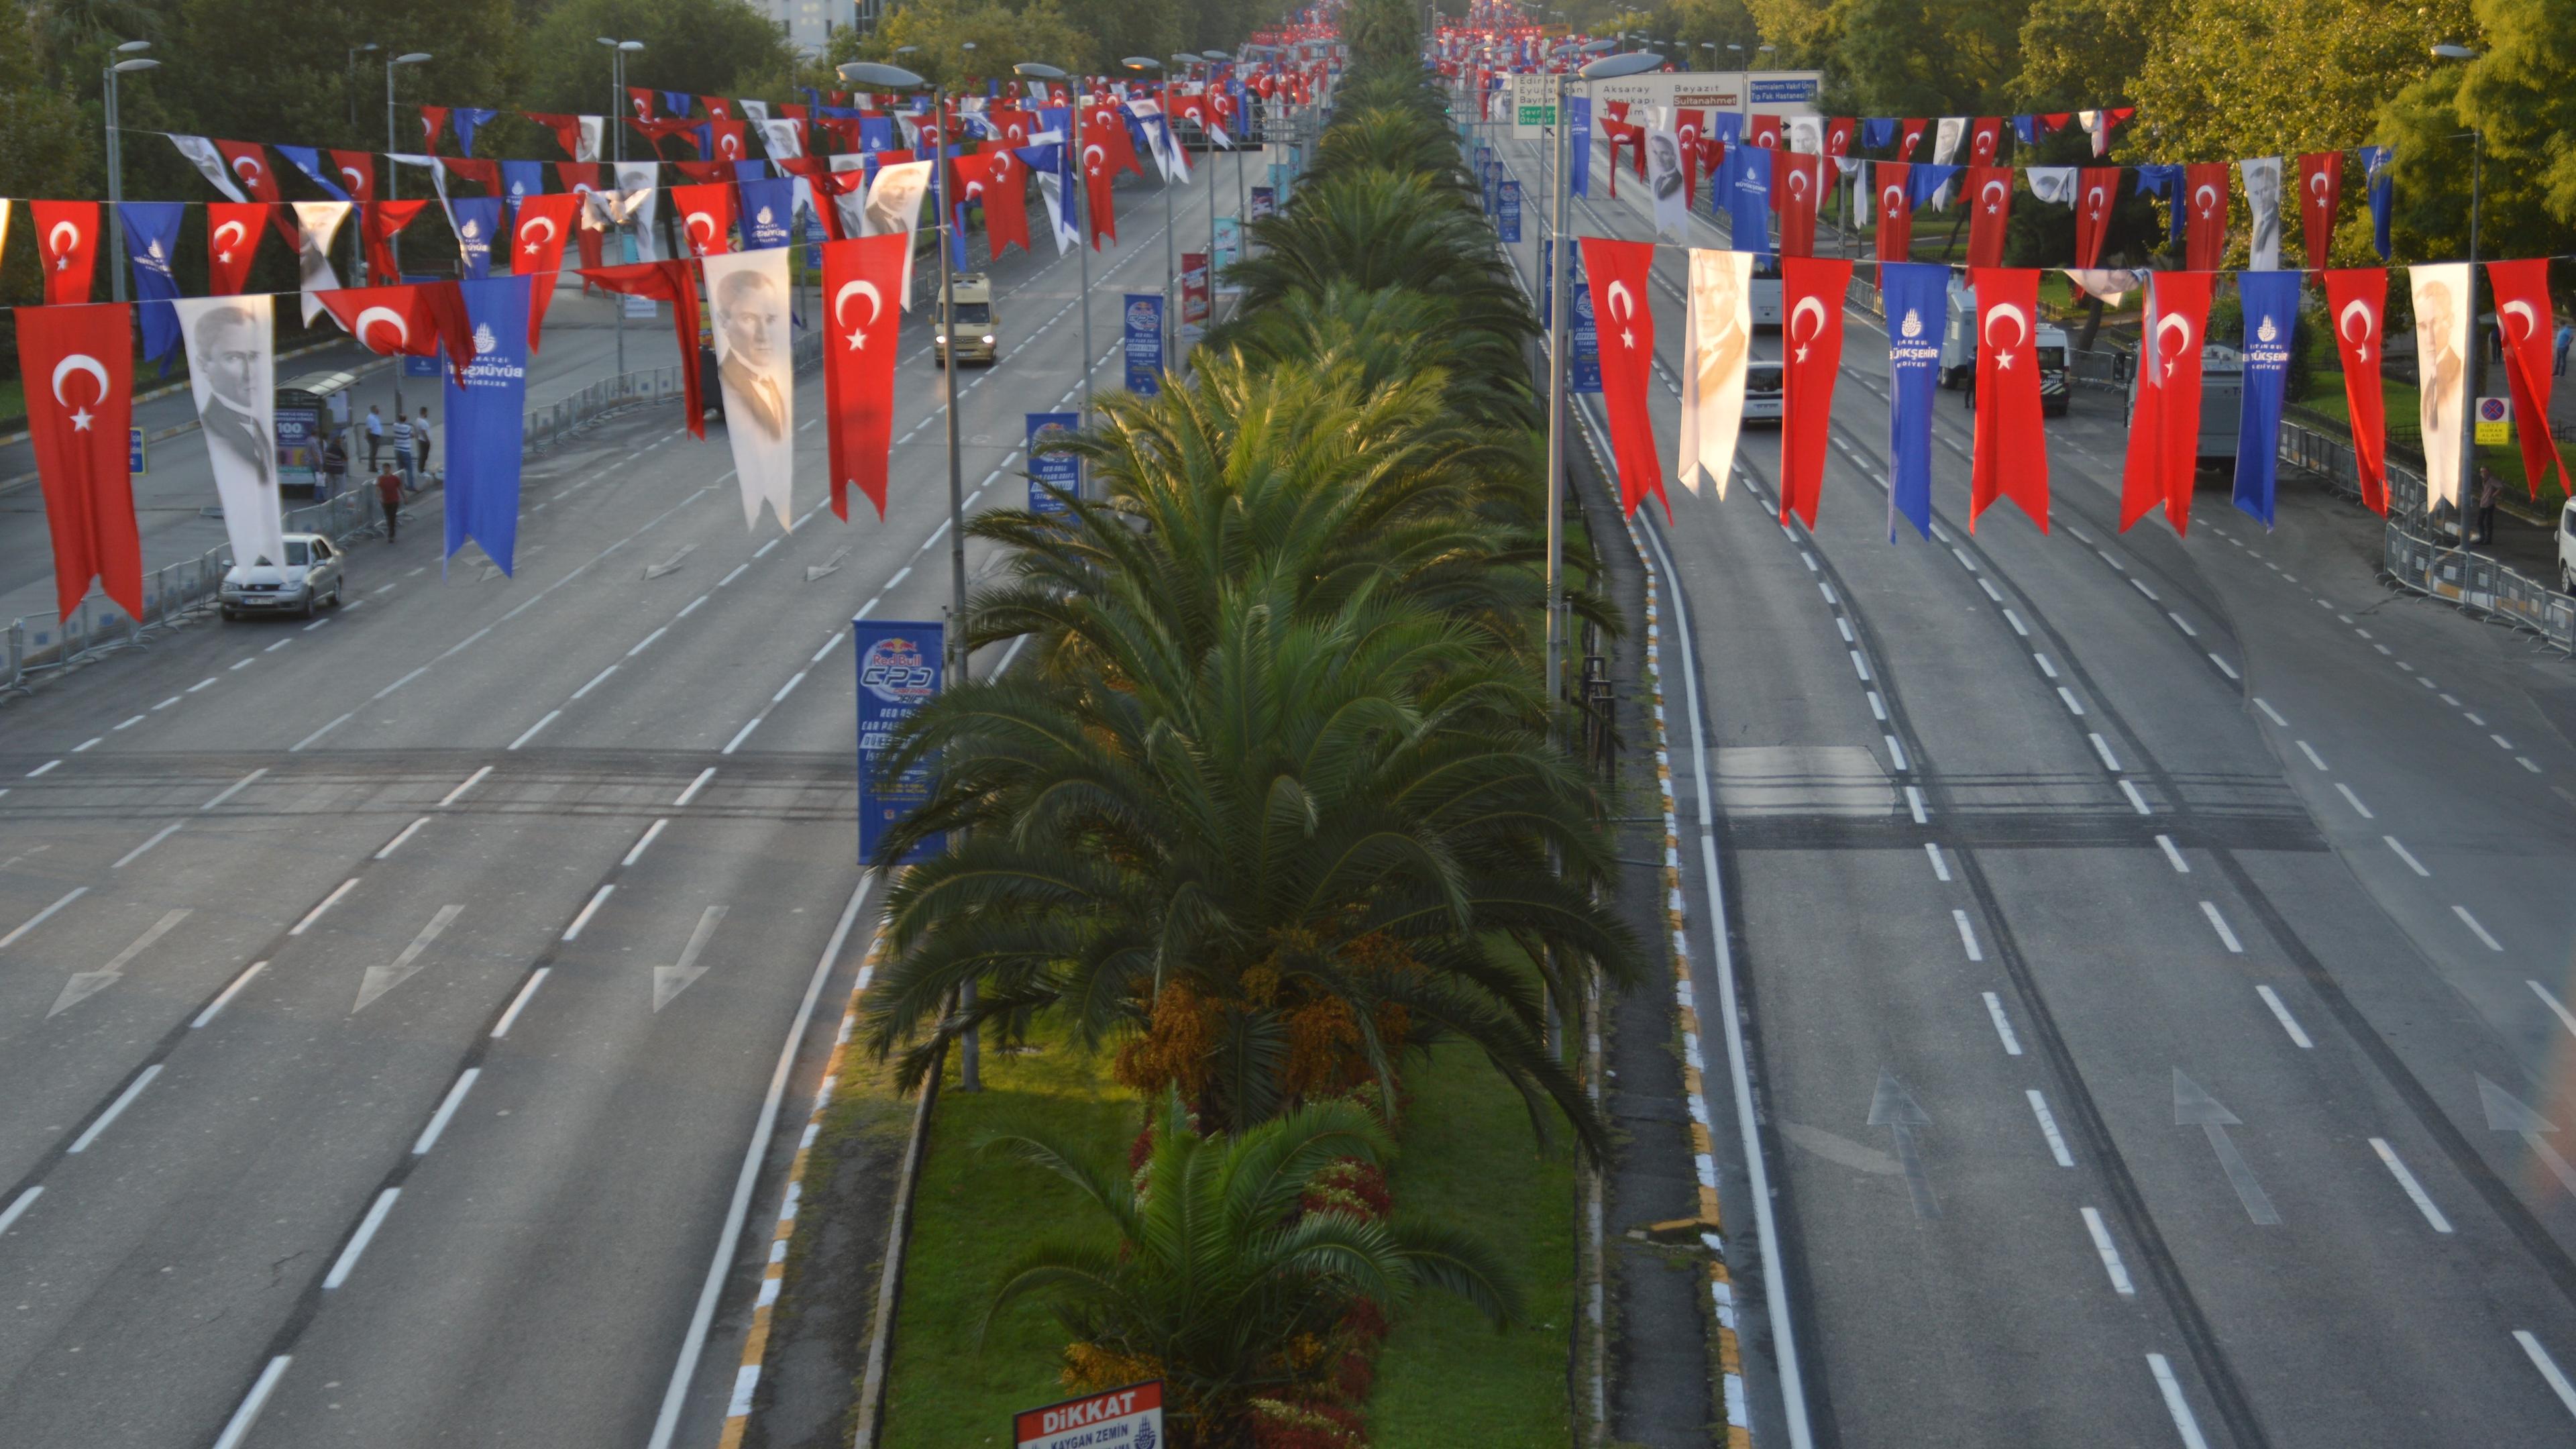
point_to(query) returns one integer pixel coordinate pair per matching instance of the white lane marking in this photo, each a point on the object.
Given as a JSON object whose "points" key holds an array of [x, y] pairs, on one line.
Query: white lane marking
{"points": [[2048, 1128], [2281, 1013], [2406, 855], [729, 578], [647, 641], [2183, 624], [446, 1112], [131, 723], [225, 997], [2102, 747], [408, 832], [317, 734], [45, 768], [244, 663], [2414, 1190], [899, 576], [280, 644], [2565, 1019], [573, 931], [763, 550], [2142, 588], [115, 1109], [470, 782], [2073, 707], [40, 917], [1967, 935], [2110, 1252], [2015, 620], [1810, 558], [692, 606], [2270, 713], [651, 833], [2218, 923], [2471, 922], [2354, 801], [237, 1428], [1828, 591], [235, 788], [1860, 666], [1877, 706], [1895, 750], [399, 683], [18, 1207], [865, 609], [315, 914], [519, 1002], [595, 681], [2003, 1024], [2224, 667], [2473, 719], [1991, 591], [130, 856], [86, 744], [461, 645], [2044, 666], [2501, 741], [2526, 763], [165, 704], [740, 735], [799, 678], [2175, 1403], [2181, 866], [1964, 561], [695, 786], [2530, 1346], [366, 1234], [200, 684], [1914, 802], [1939, 870], [828, 646], [2310, 752], [1844, 625], [531, 732], [2453, 703]]}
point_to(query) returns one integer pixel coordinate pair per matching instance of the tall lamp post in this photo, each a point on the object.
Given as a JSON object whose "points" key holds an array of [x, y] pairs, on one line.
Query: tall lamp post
{"points": [[1171, 263], [116, 163], [877, 76], [2476, 361], [618, 50], [349, 82], [1040, 70], [392, 144], [1217, 58]]}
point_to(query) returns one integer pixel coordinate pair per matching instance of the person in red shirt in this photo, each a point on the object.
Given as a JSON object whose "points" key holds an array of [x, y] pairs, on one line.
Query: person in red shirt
{"points": [[389, 492]]}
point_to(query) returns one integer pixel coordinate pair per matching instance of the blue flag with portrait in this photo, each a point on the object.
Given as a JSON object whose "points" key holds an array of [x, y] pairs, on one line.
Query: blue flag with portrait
{"points": [[1916, 299], [486, 421], [151, 240], [2271, 301]]}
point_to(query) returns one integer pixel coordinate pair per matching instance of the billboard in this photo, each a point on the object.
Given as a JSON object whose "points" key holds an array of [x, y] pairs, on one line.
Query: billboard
{"points": [[900, 669]]}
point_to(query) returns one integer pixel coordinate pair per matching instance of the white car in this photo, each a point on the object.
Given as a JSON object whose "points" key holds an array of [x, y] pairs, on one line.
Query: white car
{"points": [[2567, 547], [309, 579], [1762, 392]]}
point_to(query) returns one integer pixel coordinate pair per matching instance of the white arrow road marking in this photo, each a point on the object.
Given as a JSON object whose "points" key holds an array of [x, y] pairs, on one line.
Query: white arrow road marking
{"points": [[655, 571], [381, 979], [2194, 1107], [830, 566], [85, 984], [1894, 1108], [670, 981]]}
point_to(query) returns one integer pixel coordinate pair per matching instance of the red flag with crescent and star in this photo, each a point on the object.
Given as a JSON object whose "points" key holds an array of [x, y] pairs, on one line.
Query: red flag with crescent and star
{"points": [[2357, 306], [233, 233], [408, 320], [1106, 127], [1618, 273], [2204, 238], [1984, 136], [2521, 291], [1811, 339], [2164, 427], [1895, 228], [639, 99], [537, 238], [357, 174], [863, 282], [2098, 191], [1006, 198], [1990, 194], [2012, 447], [67, 240], [1099, 189], [1797, 181], [379, 222], [433, 120], [726, 137], [78, 363], [706, 217], [2320, 193], [1909, 132]]}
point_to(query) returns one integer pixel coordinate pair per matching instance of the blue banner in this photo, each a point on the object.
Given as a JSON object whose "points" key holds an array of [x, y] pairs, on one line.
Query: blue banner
{"points": [[1578, 148], [2383, 194], [679, 103], [478, 218], [2271, 316], [151, 239], [750, 168], [1878, 132], [1144, 333], [308, 159], [468, 120], [1264, 202], [2157, 178], [1747, 170], [486, 419], [900, 670], [1916, 298], [1922, 180], [767, 208], [877, 133], [1062, 471], [1507, 216], [521, 180], [1583, 360]]}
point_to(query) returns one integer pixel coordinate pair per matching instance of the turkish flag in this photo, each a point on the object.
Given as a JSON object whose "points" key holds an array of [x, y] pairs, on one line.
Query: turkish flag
{"points": [[567, 129], [1106, 128], [537, 238], [2012, 448], [1909, 133], [718, 107], [1983, 137], [1838, 135], [408, 320], [705, 173], [2099, 192], [1797, 179], [2320, 192], [1013, 127], [1618, 273], [2521, 291], [640, 99], [67, 239], [485, 172], [675, 283], [234, 230], [2357, 305], [357, 174], [2204, 242], [1006, 198], [433, 120], [2164, 427], [1895, 210], [379, 222], [1688, 128], [78, 363], [1811, 294], [1099, 197], [1762, 131], [706, 217], [863, 280], [1990, 194], [248, 162], [726, 137]]}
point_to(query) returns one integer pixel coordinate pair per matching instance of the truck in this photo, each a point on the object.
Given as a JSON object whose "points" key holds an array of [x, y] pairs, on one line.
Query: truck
{"points": [[1959, 353], [2222, 397], [977, 333]]}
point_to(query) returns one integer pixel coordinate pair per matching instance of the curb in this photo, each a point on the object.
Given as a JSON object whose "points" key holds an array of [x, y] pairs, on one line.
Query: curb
{"points": [[872, 1388]]}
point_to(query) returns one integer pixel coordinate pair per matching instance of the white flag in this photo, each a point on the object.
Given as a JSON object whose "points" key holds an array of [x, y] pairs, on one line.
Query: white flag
{"points": [[779, 137], [757, 112], [2052, 183], [1664, 174], [637, 183], [317, 225], [1716, 338], [2263, 200], [591, 128], [853, 203], [747, 297], [2442, 373], [1807, 134], [232, 365], [201, 153], [894, 205], [1945, 145]]}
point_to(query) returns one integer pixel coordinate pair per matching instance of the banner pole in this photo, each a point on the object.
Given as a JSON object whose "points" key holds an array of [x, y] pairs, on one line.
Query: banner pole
{"points": [[969, 1056]]}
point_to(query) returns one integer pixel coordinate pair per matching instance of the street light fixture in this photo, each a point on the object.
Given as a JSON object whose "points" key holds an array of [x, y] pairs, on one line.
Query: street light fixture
{"points": [[1040, 70], [116, 163], [1171, 260]]}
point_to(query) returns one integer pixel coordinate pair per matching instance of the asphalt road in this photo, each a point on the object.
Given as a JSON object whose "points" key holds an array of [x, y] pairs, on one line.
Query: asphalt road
{"points": [[342, 1107], [2156, 975]]}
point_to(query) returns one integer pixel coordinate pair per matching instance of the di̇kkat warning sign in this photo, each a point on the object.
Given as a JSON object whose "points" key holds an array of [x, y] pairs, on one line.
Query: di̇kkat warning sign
{"points": [[1128, 1418]]}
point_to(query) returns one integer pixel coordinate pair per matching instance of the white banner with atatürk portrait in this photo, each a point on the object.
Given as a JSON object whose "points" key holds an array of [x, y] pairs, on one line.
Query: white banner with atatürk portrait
{"points": [[232, 369], [747, 291]]}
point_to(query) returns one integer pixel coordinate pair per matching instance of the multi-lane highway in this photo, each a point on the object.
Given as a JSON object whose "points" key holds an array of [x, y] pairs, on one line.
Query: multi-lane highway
{"points": [[2158, 989], [358, 1094]]}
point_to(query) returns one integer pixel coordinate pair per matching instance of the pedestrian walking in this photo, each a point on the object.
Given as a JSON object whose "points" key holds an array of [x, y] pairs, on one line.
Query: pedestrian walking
{"points": [[375, 435], [2490, 488], [402, 449], [335, 464], [420, 440], [389, 492], [2566, 335]]}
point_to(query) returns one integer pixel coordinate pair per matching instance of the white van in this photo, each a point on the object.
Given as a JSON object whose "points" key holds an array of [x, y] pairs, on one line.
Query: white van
{"points": [[1766, 292], [2222, 398], [1959, 351]]}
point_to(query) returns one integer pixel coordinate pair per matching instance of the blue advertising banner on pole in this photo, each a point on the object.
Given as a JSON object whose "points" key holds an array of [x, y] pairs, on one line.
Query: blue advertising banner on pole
{"points": [[900, 668], [1144, 314], [1583, 364], [1507, 216], [1063, 471], [1263, 199], [487, 420]]}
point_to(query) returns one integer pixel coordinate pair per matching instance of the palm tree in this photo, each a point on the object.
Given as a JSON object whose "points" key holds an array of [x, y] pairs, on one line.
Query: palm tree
{"points": [[1223, 1279]]}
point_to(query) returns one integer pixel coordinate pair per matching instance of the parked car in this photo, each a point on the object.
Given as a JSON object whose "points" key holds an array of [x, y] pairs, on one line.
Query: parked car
{"points": [[1762, 392], [2567, 547], [309, 579]]}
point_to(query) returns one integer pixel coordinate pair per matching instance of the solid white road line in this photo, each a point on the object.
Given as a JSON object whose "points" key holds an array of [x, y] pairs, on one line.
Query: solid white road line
{"points": [[651, 832], [470, 782], [238, 1427], [2471, 922], [573, 931], [40, 917], [2281, 1013], [519, 1002], [2181, 866], [2406, 855], [315, 914], [366, 1234], [130, 856], [2110, 1252], [2003, 1024], [235, 788], [225, 998], [18, 1207], [2218, 923], [2048, 1128], [2556, 1008], [2539, 1356], [2414, 1190], [408, 832], [446, 1111], [2175, 1403], [695, 786], [1967, 935], [115, 1109]]}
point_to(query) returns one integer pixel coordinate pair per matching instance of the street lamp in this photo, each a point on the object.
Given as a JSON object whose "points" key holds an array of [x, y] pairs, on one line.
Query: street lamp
{"points": [[392, 172], [348, 81], [1040, 70], [1241, 205], [2477, 345], [1171, 262], [618, 50], [116, 164]]}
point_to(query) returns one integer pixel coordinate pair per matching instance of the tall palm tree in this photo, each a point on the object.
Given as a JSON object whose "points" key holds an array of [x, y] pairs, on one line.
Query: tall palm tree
{"points": [[1218, 1282]]}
